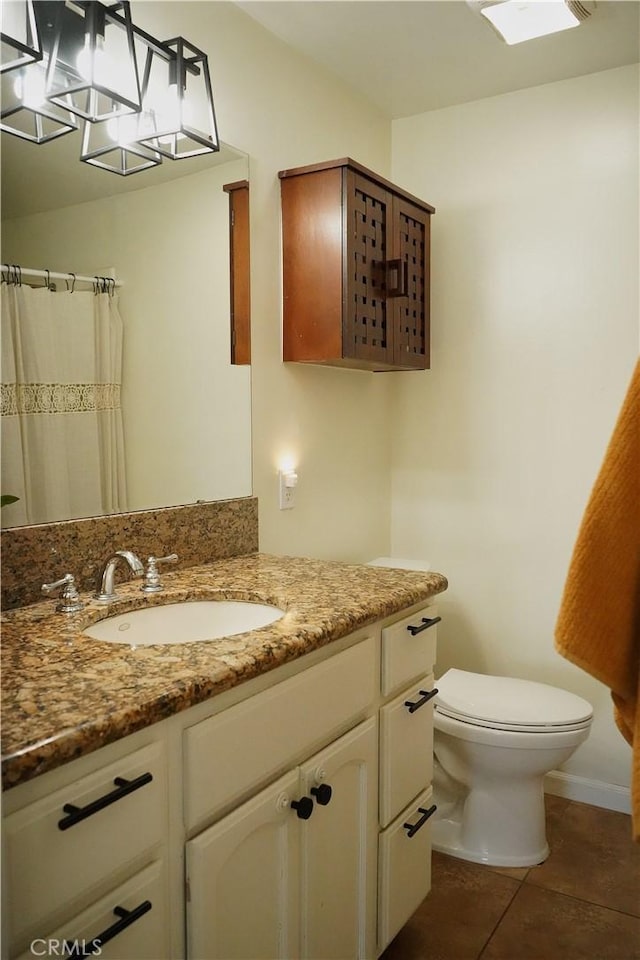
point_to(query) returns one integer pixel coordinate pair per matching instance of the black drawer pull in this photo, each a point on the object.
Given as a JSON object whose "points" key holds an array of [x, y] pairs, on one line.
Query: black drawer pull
{"points": [[123, 787], [425, 696], [425, 623], [94, 945], [412, 828]]}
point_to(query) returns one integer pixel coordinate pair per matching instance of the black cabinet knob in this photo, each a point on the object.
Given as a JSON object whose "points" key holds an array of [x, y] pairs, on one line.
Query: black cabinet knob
{"points": [[303, 807], [322, 793]]}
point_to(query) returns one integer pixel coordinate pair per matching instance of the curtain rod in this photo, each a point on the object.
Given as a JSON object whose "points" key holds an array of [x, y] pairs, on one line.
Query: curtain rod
{"points": [[12, 268]]}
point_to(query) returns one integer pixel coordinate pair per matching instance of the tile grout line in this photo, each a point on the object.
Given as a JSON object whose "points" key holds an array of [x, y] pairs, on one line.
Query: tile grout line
{"points": [[578, 899], [500, 919]]}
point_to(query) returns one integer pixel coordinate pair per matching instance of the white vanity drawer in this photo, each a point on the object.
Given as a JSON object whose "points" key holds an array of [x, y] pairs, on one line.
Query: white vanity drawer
{"points": [[236, 751], [406, 748], [404, 867], [139, 930], [408, 648], [49, 865]]}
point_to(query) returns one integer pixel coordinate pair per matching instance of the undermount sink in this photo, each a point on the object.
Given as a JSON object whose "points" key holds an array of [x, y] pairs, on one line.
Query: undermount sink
{"points": [[184, 622]]}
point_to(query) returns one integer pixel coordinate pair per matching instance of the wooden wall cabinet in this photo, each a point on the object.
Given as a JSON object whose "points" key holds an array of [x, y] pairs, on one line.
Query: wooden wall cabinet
{"points": [[240, 271], [356, 272]]}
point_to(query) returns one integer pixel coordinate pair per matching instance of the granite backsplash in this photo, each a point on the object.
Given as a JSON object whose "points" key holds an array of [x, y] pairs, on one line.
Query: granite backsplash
{"points": [[198, 533]]}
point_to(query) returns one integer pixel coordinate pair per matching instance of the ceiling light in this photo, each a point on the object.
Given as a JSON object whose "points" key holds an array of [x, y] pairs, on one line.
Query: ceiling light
{"points": [[26, 112], [92, 67], [19, 37], [87, 67], [109, 145], [519, 20], [177, 117]]}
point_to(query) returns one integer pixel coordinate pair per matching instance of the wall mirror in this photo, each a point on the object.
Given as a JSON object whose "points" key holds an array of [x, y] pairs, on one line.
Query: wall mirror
{"points": [[164, 232]]}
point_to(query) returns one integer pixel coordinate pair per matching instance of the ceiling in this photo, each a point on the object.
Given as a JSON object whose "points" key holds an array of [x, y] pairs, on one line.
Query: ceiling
{"points": [[406, 56], [38, 178], [410, 56]]}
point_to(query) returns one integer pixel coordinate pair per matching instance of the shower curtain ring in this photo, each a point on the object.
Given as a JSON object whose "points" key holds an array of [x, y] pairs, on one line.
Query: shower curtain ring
{"points": [[73, 281], [18, 275], [47, 282]]}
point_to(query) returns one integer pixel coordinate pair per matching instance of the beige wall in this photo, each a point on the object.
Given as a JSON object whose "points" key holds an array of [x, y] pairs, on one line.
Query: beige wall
{"points": [[284, 112], [535, 334]]}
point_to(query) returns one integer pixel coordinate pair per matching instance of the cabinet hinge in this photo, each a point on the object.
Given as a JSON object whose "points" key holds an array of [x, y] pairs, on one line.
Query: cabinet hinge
{"points": [[233, 218]]}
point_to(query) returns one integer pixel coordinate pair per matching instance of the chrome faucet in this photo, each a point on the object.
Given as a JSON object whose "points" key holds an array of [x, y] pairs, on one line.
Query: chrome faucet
{"points": [[105, 587]]}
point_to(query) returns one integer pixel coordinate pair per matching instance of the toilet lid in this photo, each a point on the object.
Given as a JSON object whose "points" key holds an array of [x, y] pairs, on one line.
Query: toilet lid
{"points": [[506, 703]]}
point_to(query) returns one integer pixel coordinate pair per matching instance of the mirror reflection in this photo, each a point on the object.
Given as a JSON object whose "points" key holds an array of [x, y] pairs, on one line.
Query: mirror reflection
{"points": [[185, 432]]}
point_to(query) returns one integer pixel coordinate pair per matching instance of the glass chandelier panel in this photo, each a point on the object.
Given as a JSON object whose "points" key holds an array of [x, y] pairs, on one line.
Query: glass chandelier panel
{"points": [[26, 112], [19, 36], [110, 146], [178, 118], [92, 70]]}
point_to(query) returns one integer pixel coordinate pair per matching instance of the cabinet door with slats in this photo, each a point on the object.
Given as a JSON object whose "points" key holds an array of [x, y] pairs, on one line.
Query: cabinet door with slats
{"points": [[367, 329], [411, 304]]}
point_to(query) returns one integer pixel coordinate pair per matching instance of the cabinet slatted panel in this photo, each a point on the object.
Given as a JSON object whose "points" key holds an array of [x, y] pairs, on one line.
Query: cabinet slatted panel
{"points": [[369, 228], [410, 331]]}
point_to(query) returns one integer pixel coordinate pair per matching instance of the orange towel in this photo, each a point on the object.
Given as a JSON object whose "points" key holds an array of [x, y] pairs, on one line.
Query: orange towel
{"points": [[598, 627]]}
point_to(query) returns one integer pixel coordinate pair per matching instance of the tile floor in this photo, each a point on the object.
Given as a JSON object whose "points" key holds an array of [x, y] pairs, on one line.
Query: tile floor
{"points": [[582, 903]]}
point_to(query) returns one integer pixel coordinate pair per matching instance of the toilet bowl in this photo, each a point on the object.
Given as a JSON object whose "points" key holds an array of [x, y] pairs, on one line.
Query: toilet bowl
{"points": [[495, 739]]}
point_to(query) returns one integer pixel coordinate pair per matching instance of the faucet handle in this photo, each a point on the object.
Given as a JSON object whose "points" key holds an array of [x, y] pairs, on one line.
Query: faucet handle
{"points": [[152, 582], [70, 601]]}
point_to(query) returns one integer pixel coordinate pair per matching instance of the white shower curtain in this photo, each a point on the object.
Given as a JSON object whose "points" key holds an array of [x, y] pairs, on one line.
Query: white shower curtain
{"points": [[62, 438]]}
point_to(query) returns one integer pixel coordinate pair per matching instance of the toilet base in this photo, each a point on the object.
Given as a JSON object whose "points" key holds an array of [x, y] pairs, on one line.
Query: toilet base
{"points": [[446, 837]]}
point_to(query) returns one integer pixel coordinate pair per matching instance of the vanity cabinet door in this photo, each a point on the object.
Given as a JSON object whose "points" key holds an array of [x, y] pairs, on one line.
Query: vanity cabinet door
{"points": [[409, 648], [63, 848], [130, 923], [243, 881], [406, 748], [339, 848], [404, 867]]}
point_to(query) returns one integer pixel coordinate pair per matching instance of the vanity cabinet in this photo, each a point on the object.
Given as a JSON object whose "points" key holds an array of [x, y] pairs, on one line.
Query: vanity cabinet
{"points": [[289, 874], [285, 818], [408, 653], [356, 269], [90, 859]]}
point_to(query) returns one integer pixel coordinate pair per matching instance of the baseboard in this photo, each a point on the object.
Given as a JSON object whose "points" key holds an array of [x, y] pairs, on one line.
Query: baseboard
{"points": [[596, 792]]}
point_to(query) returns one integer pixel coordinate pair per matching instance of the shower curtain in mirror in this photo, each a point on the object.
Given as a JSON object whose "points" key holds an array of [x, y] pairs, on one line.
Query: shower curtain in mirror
{"points": [[62, 437]]}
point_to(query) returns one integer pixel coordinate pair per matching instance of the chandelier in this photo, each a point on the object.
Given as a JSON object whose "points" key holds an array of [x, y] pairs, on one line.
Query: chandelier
{"points": [[71, 63]]}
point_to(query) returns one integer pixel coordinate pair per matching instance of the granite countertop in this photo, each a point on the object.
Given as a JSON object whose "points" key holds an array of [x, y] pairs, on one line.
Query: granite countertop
{"points": [[65, 694]]}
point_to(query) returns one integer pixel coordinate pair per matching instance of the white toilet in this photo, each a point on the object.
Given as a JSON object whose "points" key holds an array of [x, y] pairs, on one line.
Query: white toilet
{"points": [[495, 738]]}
